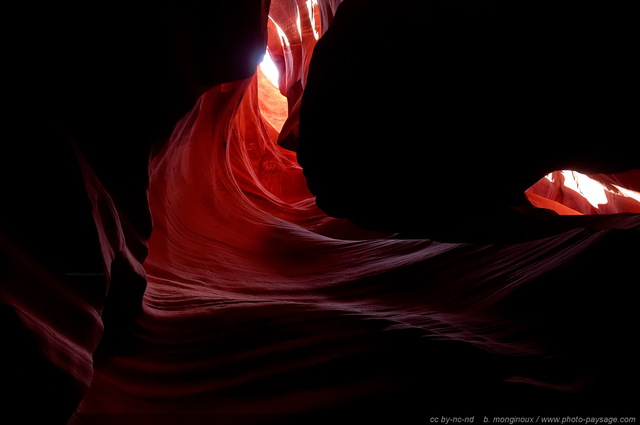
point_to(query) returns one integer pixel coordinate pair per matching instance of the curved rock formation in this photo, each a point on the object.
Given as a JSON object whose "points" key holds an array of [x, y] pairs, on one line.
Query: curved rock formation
{"points": [[164, 261]]}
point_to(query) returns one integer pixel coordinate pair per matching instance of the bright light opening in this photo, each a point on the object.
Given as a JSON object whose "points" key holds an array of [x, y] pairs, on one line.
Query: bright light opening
{"points": [[312, 7], [269, 69], [592, 190]]}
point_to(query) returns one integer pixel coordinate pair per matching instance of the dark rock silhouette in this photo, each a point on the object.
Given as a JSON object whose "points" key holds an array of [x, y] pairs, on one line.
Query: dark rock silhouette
{"points": [[164, 262], [444, 113]]}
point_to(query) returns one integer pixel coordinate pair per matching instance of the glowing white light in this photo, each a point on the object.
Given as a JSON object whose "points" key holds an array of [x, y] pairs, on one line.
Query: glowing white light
{"points": [[311, 4], [284, 41], [269, 69], [627, 193], [592, 190]]}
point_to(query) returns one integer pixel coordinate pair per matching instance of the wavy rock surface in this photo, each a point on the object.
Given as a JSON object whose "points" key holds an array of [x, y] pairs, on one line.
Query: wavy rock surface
{"points": [[181, 272]]}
